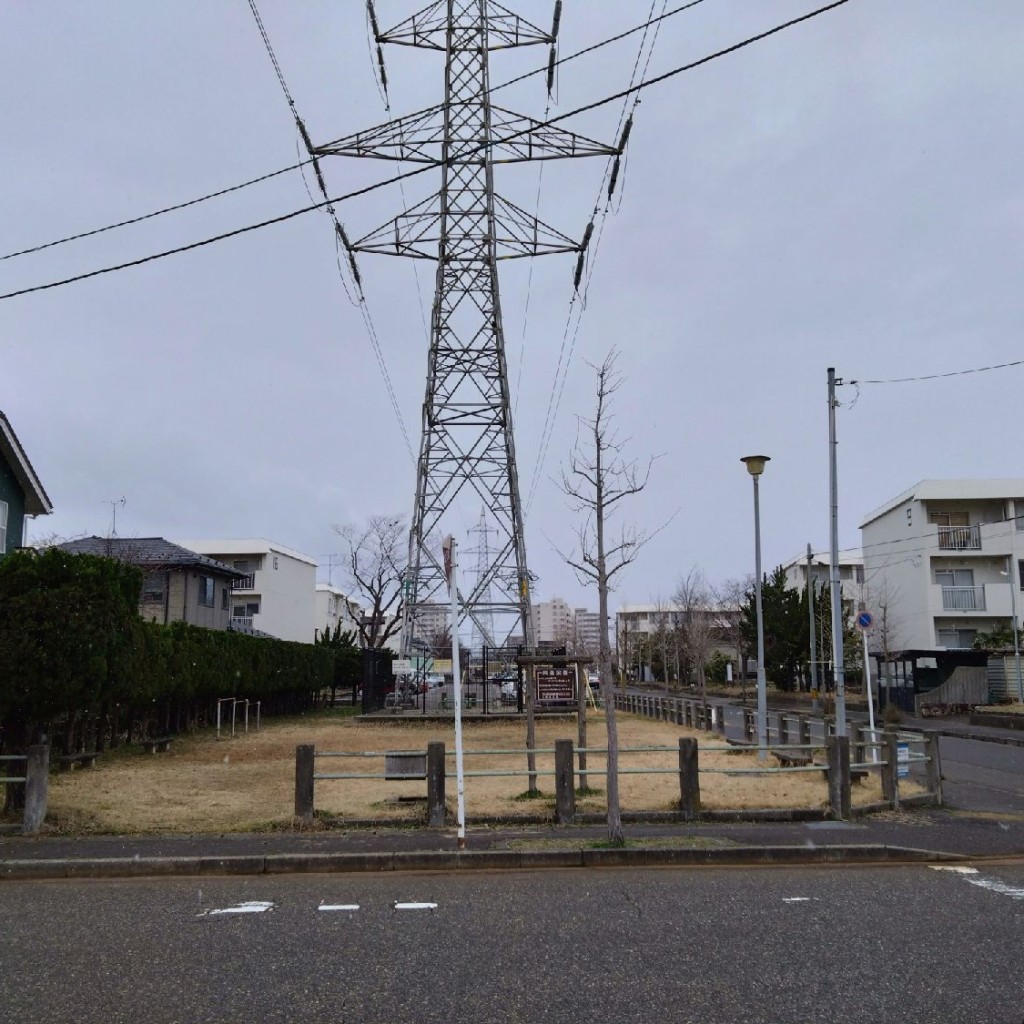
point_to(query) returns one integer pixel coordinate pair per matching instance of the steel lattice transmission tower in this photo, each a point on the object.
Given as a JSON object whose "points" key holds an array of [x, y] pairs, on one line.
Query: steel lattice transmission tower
{"points": [[467, 454]]}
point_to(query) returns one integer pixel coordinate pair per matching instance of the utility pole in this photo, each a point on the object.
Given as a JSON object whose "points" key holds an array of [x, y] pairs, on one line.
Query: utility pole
{"points": [[810, 609], [466, 448], [836, 589]]}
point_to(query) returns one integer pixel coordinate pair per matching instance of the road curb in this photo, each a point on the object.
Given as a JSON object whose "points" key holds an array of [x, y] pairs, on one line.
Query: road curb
{"points": [[447, 861]]}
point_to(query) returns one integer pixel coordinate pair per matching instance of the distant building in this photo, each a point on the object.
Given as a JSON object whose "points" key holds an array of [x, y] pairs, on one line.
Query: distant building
{"points": [[851, 574], [587, 632], [21, 494], [179, 585], [276, 590], [553, 622], [333, 607], [946, 559]]}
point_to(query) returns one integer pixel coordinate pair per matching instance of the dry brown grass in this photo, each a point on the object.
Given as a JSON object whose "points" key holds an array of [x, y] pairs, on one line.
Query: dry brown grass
{"points": [[204, 785]]}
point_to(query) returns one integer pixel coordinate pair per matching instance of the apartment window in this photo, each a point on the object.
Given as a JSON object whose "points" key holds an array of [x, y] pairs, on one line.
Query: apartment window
{"points": [[207, 591], [959, 638], [246, 611], [954, 577], [1020, 573], [1018, 513], [3, 527], [858, 574], [242, 565]]}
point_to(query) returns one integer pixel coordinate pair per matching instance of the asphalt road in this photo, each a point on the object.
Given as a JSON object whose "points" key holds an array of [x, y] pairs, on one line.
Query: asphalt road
{"points": [[867, 945], [985, 777]]}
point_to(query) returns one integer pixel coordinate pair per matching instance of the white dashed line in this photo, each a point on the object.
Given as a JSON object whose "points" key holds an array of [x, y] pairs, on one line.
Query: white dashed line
{"points": [[251, 907], [991, 884], [338, 906], [415, 906], [796, 899]]}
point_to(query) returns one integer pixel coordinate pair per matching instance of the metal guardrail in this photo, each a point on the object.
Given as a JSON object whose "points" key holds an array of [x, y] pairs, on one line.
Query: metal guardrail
{"points": [[13, 778]]}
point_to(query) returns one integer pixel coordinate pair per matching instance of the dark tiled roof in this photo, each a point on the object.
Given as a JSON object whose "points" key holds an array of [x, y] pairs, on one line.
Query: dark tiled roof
{"points": [[151, 552]]}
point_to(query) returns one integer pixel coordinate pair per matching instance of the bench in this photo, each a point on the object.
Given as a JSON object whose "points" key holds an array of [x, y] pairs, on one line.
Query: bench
{"points": [[792, 758], [159, 743], [85, 760]]}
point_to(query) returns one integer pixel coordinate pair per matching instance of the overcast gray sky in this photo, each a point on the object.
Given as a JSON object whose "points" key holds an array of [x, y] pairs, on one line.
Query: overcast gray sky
{"points": [[845, 193]]}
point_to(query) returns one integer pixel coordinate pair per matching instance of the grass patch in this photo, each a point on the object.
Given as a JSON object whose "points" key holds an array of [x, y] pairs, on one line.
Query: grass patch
{"points": [[585, 791], [531, 794]]}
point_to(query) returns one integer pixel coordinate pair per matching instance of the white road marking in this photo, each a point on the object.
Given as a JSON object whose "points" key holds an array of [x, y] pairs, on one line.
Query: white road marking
{"points": [[796, 899], [415, 906], [338, 906], [250, 907], [972, 876]]}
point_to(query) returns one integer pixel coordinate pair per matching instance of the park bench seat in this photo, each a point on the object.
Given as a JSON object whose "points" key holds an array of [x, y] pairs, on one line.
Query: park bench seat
{"points": [[86, 759]]}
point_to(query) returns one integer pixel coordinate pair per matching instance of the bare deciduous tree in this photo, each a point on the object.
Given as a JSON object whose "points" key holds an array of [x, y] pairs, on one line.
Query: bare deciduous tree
{"points": [[598, 477], [375, 568], [698, 625], [731, 597]]}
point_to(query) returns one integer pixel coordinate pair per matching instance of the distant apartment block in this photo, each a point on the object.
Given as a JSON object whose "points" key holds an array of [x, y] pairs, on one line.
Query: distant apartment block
{"points": [[946, 558], [277, 593], [851, 574], [587, 631], [553, 622], [333, 607]]}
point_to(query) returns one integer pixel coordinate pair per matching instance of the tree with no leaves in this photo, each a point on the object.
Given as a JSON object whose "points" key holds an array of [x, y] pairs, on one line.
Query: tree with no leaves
{"points": [[375, 568], [597, 478], [698, 624]]}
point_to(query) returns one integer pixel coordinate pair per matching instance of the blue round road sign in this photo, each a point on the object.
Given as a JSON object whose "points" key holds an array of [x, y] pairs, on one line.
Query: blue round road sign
{"points": [[864, 620]]}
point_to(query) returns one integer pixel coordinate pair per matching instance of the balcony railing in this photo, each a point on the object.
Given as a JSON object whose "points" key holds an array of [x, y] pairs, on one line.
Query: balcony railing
{"points": [[960, 538], [241, 622], [244, 582], [963, 599]]}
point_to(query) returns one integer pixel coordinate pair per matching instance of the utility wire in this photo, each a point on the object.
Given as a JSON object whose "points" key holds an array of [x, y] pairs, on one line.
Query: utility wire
{"points": [[430, 166], [939, 376], [155, 213], [293, 167]]}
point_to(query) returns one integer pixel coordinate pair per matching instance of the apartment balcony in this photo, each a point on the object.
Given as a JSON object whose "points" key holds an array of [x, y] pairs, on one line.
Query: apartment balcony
{"points": [[963, 599], [241, 622], [244, 582], [959, 538]]}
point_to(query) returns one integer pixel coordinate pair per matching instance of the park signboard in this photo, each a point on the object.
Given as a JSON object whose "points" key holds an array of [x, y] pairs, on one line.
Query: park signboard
{"points": [[555, 685]]}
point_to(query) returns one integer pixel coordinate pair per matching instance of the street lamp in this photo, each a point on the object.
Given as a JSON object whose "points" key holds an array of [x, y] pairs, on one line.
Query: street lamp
{"points": [[1008, 573], [755, 467]]}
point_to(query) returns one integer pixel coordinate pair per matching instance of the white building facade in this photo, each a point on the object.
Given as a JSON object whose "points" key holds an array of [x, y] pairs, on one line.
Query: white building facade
{"points": [[944, 561], [553, 622], [333, 607], [851, 575], [277, 595]]}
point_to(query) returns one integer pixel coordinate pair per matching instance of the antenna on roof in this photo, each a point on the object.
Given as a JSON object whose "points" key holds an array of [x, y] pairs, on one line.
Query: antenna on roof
{"points": [[113, 503]]}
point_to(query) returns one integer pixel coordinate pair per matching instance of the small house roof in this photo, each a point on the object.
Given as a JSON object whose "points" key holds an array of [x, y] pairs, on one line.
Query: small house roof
{"points": [[37, 502], [148, 552]]}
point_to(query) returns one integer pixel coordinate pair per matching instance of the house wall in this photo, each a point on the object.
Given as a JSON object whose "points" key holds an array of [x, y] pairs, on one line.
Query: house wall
{"points": [[181, 601], [12, 494], [333, 607]]}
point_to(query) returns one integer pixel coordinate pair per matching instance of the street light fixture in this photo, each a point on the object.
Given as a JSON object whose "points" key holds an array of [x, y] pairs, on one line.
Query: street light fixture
{"points": [[755, 467], [1008, 573]]}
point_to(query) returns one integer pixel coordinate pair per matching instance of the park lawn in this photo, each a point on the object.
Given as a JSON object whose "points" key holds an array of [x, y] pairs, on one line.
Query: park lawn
{"points": [[205, 786]]}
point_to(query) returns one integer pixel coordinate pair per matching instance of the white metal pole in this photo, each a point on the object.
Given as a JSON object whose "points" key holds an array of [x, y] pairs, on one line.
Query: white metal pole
{"points": [[247, 715], [258, 715], [871, 700], [218, 719], [234, 704], [453, 587], [1016, 633]]}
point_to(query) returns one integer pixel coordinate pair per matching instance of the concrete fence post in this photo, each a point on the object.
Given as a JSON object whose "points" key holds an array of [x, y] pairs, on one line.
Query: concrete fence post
{"points": [[804, 730], [933, 766], [890, 784], [37, 779], [435, 785], [565, 794], [859, 751], [839, 776], [304, 760], [689, 779]]}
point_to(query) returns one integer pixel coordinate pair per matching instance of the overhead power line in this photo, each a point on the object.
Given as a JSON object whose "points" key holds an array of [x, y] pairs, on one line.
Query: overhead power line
{"points": [[940, 376], [429, 166]]}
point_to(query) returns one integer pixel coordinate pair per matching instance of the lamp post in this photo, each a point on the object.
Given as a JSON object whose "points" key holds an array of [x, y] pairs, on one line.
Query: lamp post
{"points": [[1008, 573], [755, 467]]}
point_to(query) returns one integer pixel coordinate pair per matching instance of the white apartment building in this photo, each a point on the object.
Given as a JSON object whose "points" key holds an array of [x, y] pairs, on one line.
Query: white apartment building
{"points": [[851, 574], [333, 606], [945, 559], [553, 622], [588, 631], [277, 595]]}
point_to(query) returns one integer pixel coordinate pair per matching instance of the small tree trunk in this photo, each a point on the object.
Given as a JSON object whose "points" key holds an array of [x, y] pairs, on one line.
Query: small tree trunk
{"points": [[581, 717]]}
